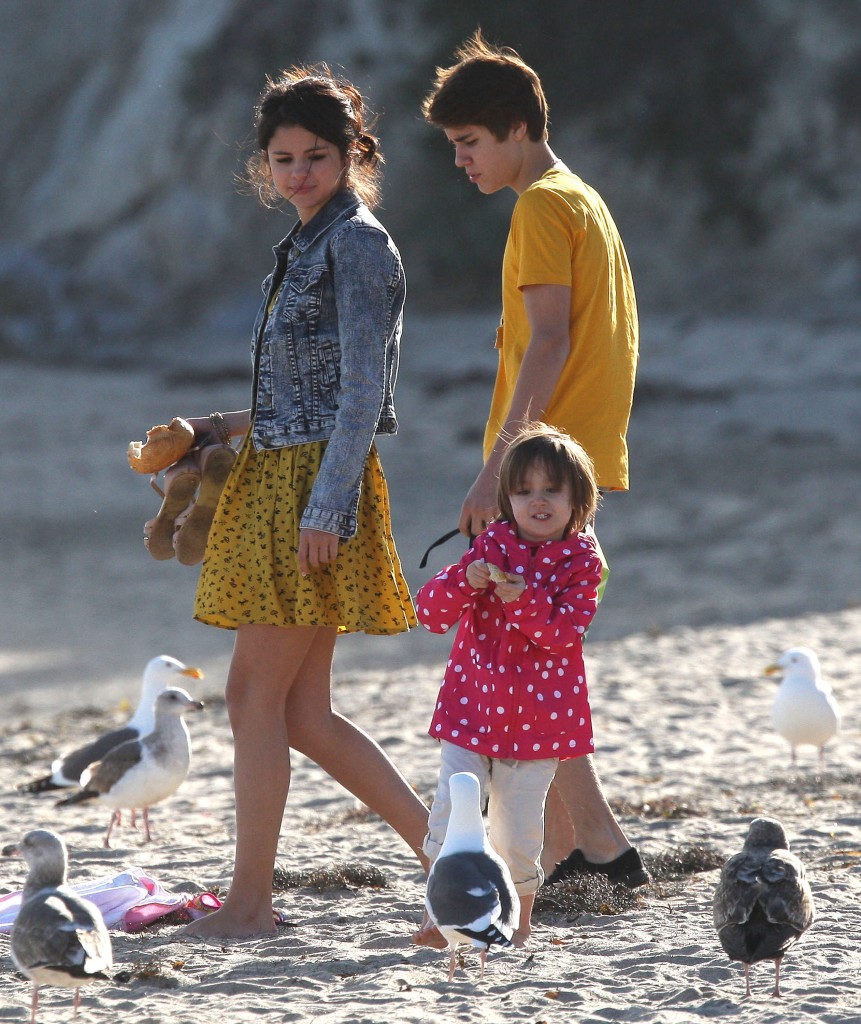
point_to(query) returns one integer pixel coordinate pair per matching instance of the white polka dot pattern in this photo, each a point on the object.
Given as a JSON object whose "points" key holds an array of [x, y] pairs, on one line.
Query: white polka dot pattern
{"points": [[515, 685]]}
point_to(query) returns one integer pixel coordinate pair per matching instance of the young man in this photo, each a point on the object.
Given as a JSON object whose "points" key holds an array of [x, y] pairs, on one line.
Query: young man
{"points": [[567, 341]]}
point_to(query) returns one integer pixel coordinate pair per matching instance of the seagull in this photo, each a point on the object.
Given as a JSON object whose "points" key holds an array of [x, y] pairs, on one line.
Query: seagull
{"points": [[763, 902], [142, 772], [804, 711], [470, 896], [59, 938], [66, 770]]}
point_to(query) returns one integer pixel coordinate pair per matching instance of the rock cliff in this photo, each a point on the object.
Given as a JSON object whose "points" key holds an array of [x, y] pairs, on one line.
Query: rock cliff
{"points": [[727, 139]]}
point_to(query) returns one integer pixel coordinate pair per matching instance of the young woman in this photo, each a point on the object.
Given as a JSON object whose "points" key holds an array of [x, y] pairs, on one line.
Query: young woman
{"points": [[300, 548]]}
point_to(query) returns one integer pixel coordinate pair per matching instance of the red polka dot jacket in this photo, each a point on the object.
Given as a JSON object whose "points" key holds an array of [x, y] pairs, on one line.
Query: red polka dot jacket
{"points": [[515, 684]]}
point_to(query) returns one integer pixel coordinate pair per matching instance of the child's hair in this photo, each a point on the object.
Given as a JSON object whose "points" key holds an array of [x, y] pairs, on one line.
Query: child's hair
{"points": [[563, 460], [489, 86], [331, 108]]}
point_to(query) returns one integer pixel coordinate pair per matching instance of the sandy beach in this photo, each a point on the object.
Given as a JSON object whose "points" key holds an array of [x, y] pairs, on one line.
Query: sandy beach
{"points": [[739, 539]]}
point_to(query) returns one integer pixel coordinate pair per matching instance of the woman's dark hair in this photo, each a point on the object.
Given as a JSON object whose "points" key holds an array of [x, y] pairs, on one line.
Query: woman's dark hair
{"points": [[563, 460], [327, 106]]}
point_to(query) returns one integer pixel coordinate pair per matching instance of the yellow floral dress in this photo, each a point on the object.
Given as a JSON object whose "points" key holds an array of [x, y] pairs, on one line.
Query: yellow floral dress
{"points": [[250, 572]]}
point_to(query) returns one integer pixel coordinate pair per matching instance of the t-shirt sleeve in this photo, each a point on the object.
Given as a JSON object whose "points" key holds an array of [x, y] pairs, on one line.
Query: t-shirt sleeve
{"points": [[544, 229]]}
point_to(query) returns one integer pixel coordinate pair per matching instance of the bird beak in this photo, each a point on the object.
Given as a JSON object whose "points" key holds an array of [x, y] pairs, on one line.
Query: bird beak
{"points": [[196, 706], [10, 851], [194, 673], [772, 670]]}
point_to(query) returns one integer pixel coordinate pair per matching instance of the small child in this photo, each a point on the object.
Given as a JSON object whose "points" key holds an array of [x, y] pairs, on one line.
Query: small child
{"points": [[513, 702]]}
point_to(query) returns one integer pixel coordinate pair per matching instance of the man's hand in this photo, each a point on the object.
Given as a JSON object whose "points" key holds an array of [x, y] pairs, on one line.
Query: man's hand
{"points": [[316, 548], [479, 506]]}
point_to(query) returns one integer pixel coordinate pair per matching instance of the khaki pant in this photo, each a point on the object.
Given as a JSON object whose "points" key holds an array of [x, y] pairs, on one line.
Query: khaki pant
{"points": [[517, 790]]}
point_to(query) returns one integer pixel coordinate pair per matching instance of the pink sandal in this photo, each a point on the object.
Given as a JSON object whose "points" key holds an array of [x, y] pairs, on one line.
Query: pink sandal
{"points": [[189, 540], [180, 483]]}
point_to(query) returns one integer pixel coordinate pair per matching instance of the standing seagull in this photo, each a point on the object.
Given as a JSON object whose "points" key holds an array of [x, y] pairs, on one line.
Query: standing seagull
{"points": [[140, 773], [804, 711], [470, 896], [67, 769], [59, 938], [763, 902]]}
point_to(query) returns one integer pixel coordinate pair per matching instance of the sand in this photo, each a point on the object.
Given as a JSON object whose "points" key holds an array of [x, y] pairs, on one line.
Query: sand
{"points": [[714, 574]]}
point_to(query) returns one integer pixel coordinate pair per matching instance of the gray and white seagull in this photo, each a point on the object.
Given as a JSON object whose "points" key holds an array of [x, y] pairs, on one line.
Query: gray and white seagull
{"points": [[763, 903], [66, 770], [140, 773], [470, 896], [59, 938]]}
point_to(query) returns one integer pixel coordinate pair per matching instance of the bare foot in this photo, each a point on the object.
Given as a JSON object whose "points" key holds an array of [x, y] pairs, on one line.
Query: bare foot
{"points": [[429, 935], [225, 924], [521, 937]]}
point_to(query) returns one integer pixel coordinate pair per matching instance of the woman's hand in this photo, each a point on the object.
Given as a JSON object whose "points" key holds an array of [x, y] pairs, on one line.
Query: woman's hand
{"points": [[316, 548]]}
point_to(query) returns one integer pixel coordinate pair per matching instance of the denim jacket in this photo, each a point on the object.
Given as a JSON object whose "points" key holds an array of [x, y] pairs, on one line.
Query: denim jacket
{"points": [[326, 354]]}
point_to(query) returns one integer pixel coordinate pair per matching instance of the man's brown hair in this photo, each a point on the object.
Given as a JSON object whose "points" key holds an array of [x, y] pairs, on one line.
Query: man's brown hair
{"points": [[489, 86]]}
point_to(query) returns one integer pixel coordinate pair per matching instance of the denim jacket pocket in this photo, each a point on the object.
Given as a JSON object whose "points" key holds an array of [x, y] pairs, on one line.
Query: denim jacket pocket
{"points": [[302, 296]]}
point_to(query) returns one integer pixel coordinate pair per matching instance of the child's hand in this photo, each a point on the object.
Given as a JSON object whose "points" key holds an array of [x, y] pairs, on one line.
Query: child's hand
{"points": [[478, 575], [511, 589]]}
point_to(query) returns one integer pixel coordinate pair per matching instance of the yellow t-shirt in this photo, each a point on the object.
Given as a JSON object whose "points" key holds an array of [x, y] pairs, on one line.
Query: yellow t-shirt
{"points": [[562, 233]]}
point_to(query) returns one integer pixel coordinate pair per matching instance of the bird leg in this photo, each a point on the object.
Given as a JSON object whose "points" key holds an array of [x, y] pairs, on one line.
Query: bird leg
{"points": [[451, 963], [34, 1003], [145, 814], [116, 817], [483, 960], [747, 979], [776, 993], [77, 1002]]}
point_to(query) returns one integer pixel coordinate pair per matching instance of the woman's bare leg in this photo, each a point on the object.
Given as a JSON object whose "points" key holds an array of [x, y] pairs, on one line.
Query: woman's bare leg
{"points": [[267, 661], [278, 696], [349, 755]]}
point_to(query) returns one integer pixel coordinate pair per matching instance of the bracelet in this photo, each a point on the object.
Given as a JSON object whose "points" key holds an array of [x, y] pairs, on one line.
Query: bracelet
{"points": [[219, 427]]}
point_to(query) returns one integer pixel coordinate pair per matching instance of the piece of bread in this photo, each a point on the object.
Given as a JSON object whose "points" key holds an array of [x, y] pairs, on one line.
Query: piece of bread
{"points": [[496, 574], [164, 445]]}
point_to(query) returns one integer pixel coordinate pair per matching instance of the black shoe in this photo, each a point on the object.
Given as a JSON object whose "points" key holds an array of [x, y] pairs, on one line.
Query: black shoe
{"points": [[627, 869]]}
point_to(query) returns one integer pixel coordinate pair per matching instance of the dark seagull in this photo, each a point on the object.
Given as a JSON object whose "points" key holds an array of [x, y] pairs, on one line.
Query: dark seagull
{"points": [[763, 903], [66, 770], [139, 773], [59, 938], [470, 896]]}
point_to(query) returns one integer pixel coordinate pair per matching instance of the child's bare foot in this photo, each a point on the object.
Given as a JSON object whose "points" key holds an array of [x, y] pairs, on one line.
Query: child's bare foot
{"points": [[225, 924], [520, 938], [429, 935]]}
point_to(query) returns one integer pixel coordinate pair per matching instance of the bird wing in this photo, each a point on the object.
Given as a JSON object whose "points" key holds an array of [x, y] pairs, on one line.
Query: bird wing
{"points": [[737, 891], [785, 894], [72, 765], [106, 773], [58, 929], [67, 769], [467, 892]]}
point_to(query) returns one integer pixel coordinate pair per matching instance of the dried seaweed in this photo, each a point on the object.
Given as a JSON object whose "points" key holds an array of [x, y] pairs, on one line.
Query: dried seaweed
{"points": [[334, 878], [682, 862], [585, 894]]}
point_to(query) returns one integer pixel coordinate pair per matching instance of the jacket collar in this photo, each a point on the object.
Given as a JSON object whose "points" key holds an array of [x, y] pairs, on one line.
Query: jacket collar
{"points": [[504, 532], [342, 205]]}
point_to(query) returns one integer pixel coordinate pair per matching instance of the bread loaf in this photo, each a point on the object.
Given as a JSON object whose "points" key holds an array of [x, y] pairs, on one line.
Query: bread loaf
{"points": [[164, 445]]}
